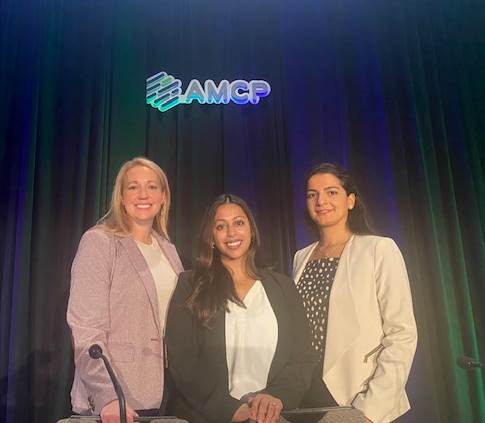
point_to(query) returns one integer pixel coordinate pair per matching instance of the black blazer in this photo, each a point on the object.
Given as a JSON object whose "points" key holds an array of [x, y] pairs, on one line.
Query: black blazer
{"points": [[197, 355]]}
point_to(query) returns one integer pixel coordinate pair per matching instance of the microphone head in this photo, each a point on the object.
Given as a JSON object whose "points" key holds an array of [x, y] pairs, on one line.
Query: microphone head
{"points": [[466, 362], [95, 351]]}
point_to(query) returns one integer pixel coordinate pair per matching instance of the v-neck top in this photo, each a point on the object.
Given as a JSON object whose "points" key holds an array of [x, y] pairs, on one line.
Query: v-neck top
{"points": [[251, 338], [163, 274]]}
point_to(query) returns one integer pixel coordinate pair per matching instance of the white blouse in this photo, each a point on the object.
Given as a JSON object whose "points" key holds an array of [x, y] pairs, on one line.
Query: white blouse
{"points": [[164, 276], [251, 338]]}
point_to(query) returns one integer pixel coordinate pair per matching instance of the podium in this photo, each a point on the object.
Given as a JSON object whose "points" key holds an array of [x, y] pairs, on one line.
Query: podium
{"points": [[97, 419], [323, 414], [326, 414]]}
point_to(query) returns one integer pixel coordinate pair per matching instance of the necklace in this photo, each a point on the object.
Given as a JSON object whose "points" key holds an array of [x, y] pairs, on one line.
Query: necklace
{"points": [[329, 251]]}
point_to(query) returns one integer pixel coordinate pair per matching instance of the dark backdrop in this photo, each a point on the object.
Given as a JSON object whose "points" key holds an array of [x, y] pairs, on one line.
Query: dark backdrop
{"points": [[393, 90]]}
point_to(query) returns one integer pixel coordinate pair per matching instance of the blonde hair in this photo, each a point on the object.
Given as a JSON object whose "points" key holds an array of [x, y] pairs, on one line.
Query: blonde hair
{"points": [[116, 220]]}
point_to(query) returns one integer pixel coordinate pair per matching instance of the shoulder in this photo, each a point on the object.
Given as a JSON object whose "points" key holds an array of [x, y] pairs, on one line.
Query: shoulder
{"points": [[374, 241], [96, 240], [380, 247], [98, 235], [96, 248], [185, 281], [283, 283], [278, 277], [186, 276]]}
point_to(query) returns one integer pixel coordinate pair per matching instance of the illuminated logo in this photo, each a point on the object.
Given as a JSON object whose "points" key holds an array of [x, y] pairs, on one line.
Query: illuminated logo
{"points": [[164, 91]]}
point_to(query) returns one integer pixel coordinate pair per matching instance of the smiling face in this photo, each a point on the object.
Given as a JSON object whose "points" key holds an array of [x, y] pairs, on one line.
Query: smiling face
{"points": [[142, 195], [231, 232], [327, 202]]}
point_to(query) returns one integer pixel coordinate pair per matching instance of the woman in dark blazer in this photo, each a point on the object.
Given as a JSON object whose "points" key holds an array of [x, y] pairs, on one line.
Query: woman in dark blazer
{"points": [[237, 337]]}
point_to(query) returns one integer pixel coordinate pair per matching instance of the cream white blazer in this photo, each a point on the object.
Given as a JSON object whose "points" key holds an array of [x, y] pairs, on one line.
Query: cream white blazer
{"points": [[371, 333]]}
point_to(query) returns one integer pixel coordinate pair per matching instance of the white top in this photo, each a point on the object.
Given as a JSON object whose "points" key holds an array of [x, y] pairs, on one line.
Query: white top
{"points": [[164, 276], [251, 338]]}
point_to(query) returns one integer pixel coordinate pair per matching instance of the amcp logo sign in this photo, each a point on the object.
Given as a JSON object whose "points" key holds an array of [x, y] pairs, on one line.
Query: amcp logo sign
{"points": [[164, 91]]}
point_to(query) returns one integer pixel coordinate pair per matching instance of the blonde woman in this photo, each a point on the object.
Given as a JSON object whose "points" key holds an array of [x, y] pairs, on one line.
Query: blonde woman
{"points": [[123, 275]]}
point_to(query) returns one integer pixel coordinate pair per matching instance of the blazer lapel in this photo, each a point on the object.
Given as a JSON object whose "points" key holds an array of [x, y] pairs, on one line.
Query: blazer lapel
{"points": [[170, 252], [343, 324], [278, 305], [140, 265], [302, 264], [215, 341]]}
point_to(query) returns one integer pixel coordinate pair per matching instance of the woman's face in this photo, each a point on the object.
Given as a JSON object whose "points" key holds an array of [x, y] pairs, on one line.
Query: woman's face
{"points": [[327, 201], [142, 194], [231, 232]]}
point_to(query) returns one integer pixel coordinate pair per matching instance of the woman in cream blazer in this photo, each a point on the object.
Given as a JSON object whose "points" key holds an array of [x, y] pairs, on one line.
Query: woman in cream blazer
{"points": [[371, 332]]}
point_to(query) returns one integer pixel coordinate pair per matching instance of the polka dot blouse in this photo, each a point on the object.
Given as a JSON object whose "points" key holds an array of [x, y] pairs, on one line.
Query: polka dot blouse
{"points": [[314, 287]]}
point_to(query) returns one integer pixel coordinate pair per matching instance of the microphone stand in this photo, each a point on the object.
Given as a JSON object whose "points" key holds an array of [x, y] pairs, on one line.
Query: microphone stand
{"points": [[96, 352]]}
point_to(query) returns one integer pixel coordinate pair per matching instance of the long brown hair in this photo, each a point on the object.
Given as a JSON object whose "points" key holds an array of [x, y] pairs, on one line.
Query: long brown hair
{"points": [[213, 283], [116, 220], [357, 220]]}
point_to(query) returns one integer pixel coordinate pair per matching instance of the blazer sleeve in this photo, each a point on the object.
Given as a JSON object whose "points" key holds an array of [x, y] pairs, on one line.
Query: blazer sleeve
{"points": [[88, 313], [202, 387], [400, 333], [293, 380]]}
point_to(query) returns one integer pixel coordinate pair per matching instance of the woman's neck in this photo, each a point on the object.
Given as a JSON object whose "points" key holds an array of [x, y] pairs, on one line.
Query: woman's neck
{"points": [[241, 279], [142, 233], [237, 268], [332, 242], [334, 235]]}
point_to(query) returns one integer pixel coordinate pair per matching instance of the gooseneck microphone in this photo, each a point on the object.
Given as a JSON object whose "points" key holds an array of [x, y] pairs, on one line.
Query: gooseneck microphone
{"points": [[96, 352], [468, 363]]}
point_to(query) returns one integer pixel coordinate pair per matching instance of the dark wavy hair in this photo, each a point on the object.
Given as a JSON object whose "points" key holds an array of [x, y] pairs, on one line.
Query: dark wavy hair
{"points": [[357, 220], [213, 284]]}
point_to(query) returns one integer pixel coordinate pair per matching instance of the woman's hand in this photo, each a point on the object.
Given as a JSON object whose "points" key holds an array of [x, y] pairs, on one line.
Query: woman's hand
{"points": [[265, 408], [241, 414], [110, 413]]}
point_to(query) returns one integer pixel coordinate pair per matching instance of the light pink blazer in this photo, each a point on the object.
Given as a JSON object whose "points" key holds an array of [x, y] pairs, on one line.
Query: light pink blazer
{"points": [[113, 302], [371, 332]]}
